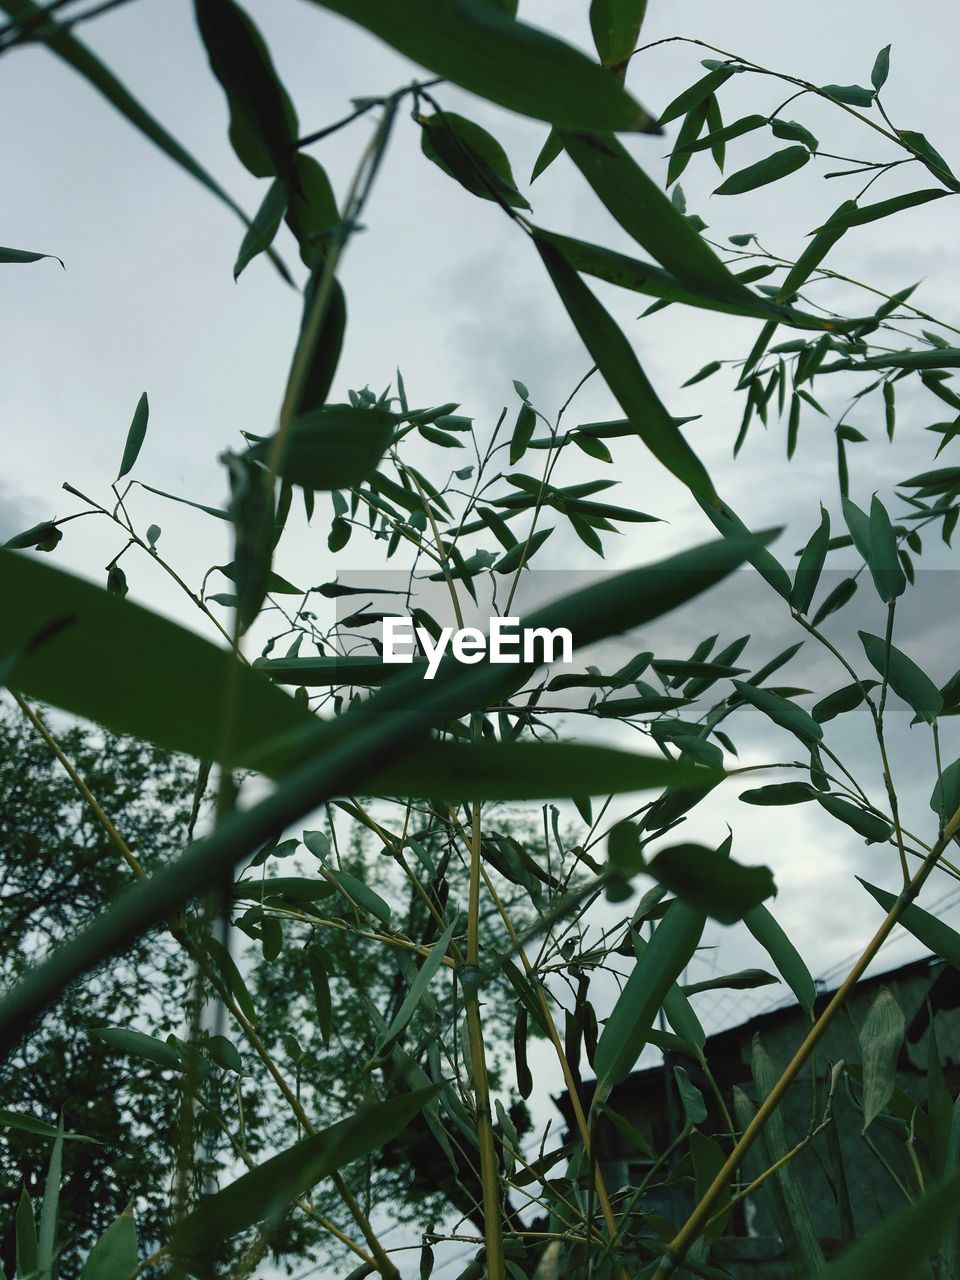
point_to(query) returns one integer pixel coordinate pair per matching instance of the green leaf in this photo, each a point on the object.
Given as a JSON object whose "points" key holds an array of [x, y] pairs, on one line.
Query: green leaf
{"points": [[668, 953], [726, 520], [719, 887], [264, 1193], [853, 95], [472, 156], [926, 928], [508, 62], [648, 215], [522, 433], [135, 436], [771, 169], [779, 793], [552, 148], [297, 889], [114, 643], [846, 699], [881, 69], [808, 572], [884, 561], [696, 93], [531, 771], [26, 1233], [853, 215], [138, 1044], [262, 230], [30, 1124], [841, 594], [868, 825], [904, 676], [114, 1256], [365, 897], [624, 376], [790, 131], [691, 1099], [786, 1197], [945, 798], [224, 1053], [743, 980], [231, 977], [624, 853], [930, 156], [781, 711], [25, 255], [719, 137], [263, 124], [788, 961], [880, 1038], [615, 25], [645, 277], [44, 536], [312, 213], [413, 997], [49, 1208], [335, 447], [689, 132]]}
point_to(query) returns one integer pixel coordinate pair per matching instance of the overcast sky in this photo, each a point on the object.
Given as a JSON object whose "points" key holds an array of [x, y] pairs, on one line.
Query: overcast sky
{"points": [[442, 286]]}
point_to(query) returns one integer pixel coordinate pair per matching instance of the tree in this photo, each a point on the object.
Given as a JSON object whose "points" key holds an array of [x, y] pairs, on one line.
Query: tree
{"points": [[59, 869], [418, 761]]}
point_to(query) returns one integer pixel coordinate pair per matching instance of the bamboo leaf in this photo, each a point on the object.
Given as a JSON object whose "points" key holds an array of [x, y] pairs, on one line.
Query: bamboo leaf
{"points": [[779, 793], [26, 1233], [417, 991], [811, 564], [719, 887], [771, 169], [926, 928], [334, 447], [531, 771], [881, 69], [788, 1202], [616, 25], [696, 93], [674, 941], [262, 230], [135, 436], [884, 561], [508, 62], [30, 1124], [880, 1039], [781, 711], [783, 953], [624, 376], [869, 825], [648, 215], [140, 1045], [25, 255], [263, 124], [905, 677], [471, 155], [645, 277], [50, 1208], [114, 1256], [265, 1192]]}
